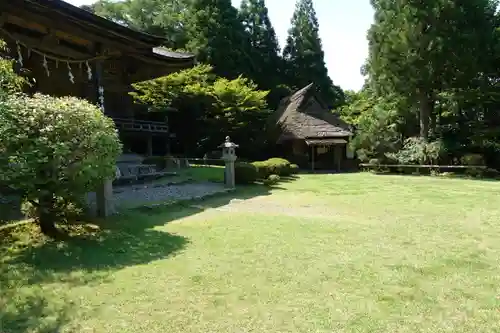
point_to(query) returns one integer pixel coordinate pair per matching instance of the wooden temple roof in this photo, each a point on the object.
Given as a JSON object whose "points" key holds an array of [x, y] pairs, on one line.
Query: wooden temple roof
{"points": [[60, 29]]}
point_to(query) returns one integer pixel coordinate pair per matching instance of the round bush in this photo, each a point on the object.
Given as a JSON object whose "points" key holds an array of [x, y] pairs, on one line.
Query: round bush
{"points": [[262, 169], [53, 148], [294, 169], [473, 159], [66, 210], [273, 166], [279, 166], [272, 180], [245, 173]]}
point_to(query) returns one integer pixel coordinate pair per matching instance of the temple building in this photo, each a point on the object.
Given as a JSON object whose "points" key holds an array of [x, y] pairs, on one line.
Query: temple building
{"points": [[67, 51]]}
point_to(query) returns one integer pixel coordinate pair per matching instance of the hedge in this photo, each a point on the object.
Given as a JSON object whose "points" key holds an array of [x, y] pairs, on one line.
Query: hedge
{"points": [[273, 166], [245, 173]]}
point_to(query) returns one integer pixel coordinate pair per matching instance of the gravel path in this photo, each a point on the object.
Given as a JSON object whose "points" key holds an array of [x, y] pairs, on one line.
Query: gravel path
{"points": [[136, 196]]}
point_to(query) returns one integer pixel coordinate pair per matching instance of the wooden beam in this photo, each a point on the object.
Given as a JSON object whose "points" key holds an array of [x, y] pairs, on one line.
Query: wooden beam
{"points": [[151, 72], [56, 49], [3, 19], [62, 23]]}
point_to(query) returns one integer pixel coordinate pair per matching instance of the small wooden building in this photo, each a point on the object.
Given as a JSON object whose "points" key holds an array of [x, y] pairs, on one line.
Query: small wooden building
{"points": [[310, 134], [66, 50]]}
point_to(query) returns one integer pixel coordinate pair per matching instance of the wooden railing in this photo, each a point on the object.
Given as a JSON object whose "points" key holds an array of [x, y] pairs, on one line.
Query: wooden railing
{"points": [[133, 125], [417, 167]]}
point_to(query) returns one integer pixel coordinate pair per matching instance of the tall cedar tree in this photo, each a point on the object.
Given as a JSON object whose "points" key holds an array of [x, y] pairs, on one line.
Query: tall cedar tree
{"points": [[421, 48], [218, 38], [304, 55], [156, 17], [265, 49]]}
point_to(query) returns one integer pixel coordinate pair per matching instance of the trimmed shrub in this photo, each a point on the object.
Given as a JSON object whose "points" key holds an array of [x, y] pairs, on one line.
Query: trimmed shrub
{"points": [[472, 159], [262, 169], [272, 180], [245, 173], [66, 209], [276, 166], [54, 148], [294, 169], [279, 166]]}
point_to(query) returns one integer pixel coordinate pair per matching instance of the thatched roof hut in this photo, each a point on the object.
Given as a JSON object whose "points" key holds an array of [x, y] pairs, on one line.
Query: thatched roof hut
{"points": [[303, 115], [309, 133]]}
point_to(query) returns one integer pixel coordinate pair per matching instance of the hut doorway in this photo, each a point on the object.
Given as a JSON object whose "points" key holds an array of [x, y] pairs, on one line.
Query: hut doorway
{"points": [[327, 154]]}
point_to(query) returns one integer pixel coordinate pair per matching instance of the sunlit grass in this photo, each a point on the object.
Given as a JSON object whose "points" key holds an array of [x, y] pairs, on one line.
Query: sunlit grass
{"points": [[325, 253], [195, 173]]}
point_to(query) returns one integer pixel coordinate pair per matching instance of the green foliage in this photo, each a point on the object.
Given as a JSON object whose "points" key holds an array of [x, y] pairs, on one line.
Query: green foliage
{"points": [[156, 17], [356, 104], [472, 160], [420, 48], [245, 173], [262, 170], [216, 35], [294, 169], [265, 49], [54, 148], [10, 82], [304, 55], [276, 165], [377, 133], [272, 180], [279, 166], [166, 91], [211, 105], [65, 209], [415, 150]]}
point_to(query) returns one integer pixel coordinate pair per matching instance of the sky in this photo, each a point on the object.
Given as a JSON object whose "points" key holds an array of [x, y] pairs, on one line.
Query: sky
{"points": [[343, 26]]}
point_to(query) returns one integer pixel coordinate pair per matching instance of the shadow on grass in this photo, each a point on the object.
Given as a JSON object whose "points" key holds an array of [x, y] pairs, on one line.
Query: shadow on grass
{"points": [[29, 263], [33, 313], [88, 257], [160, 215]]}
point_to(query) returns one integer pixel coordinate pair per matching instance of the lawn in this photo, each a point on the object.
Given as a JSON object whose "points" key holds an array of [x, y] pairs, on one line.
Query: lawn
{"points": [[195, 173], [324, 253]]}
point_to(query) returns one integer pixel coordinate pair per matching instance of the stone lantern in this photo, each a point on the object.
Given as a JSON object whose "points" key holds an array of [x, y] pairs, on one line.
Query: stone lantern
{"points": [[229, 157]]}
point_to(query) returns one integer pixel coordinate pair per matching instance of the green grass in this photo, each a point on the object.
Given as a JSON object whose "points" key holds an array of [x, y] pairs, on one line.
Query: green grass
{"points": [[324, 253], [196, 173]]}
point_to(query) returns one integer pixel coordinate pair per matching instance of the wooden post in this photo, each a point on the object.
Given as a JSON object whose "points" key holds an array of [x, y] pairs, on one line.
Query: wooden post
{"points": [[312, 153], [337, 153], [104, 193], [104, 199]]}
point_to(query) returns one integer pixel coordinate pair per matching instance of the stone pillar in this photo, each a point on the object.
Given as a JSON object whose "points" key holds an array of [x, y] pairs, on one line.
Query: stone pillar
{"points": [[104, 199], [229, 175], [229, 157]]}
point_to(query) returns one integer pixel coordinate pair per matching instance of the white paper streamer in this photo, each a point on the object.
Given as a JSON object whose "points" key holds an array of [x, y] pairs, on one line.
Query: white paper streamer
{"points": [[46, 66], [70, 74], [19, 54]]}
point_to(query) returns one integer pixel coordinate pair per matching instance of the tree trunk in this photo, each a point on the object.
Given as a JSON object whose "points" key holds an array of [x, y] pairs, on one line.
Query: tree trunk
{"points": [[432, 124], [426, 106], [46, 216]]}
